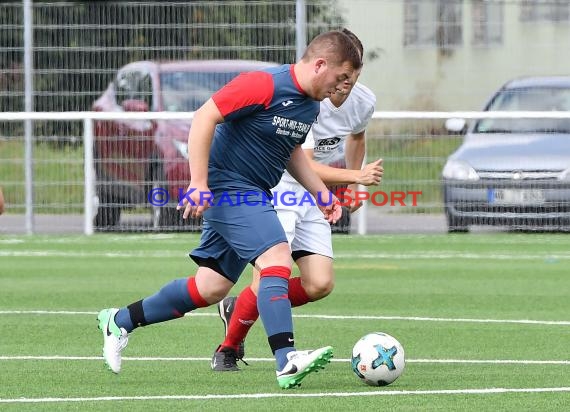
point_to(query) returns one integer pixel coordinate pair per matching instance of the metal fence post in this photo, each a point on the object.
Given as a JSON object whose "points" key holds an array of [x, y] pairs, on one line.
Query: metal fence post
{"points": [[28, 107], [300, 27], [89, 173]]}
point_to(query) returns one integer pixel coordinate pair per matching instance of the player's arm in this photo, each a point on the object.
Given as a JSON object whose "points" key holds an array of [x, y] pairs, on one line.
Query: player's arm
{"points": [[300, 169], [354, 157], [199, 141], [245, 94], [354, 150], [1, 201], [371, 174]]}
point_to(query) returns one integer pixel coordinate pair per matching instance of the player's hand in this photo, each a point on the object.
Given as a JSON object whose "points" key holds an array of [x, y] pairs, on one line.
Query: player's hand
{"points": [[353, 207], [371, 174], [195, 201], [332, 209]]}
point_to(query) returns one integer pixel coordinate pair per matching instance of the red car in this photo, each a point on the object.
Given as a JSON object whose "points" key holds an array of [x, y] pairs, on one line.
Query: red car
{"points": [[133, 157]]}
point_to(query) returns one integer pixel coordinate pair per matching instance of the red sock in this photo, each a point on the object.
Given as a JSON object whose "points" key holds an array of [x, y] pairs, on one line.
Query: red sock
{"points": [[244, 316], [297, 294]]}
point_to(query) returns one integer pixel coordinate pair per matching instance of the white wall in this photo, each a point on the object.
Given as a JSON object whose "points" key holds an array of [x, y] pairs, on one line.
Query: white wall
{"points": [[422, 79]]}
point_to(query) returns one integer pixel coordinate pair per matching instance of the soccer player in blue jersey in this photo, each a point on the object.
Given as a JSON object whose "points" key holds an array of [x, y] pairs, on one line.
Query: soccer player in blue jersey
{"points": [[242, 140], [342, 120]]}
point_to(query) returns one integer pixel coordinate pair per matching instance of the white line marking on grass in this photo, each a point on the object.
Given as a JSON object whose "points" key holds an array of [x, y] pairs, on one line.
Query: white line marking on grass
{"points": [[450, 255], [86, 254], [428, 319], [482, 391], [326, 317], [202, 359], [150, 237], [75, 312], [359, 255], [492, 361], [11, 241], [45, 312]]}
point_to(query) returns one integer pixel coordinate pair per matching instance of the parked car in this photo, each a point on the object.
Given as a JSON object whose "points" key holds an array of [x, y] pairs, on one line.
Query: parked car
{"points": [[134, 156], [513, 172]]}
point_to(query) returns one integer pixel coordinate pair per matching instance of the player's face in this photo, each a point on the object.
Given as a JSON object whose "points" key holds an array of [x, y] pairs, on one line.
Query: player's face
{"points": [[348, 84], [330, 78], [342, 94]]}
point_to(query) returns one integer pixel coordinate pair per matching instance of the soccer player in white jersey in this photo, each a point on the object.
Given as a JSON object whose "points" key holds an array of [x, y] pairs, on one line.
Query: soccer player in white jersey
{"points": [[339, 126]]}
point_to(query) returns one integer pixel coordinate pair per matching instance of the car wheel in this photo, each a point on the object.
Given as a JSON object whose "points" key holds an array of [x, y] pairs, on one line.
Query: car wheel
{"points": [[166, 216], [343, 224], [171, 219], [456, 224], [107, 216], [457, 229]]}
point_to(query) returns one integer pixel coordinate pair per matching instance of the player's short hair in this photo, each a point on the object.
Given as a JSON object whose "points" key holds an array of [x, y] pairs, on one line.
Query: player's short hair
{"points": [[355, 39], [336, 46]]}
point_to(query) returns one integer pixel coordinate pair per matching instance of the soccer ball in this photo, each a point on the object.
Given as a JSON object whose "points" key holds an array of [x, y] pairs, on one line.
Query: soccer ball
{"points": [[378, 359]]}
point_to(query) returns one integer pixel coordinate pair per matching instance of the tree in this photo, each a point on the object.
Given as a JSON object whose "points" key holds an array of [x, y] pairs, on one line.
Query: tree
{"points": [[78, 46]]}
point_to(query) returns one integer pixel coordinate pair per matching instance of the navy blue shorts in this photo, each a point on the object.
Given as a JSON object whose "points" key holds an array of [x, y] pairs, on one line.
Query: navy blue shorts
{"points": [[235, 235]]}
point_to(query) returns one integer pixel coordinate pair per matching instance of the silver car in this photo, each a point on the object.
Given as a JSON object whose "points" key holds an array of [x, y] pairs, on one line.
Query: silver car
{"points": [[513, 172]]}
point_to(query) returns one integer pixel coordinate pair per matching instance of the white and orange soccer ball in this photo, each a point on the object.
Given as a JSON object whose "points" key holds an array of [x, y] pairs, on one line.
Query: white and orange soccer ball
{"points": [[378, 359]]}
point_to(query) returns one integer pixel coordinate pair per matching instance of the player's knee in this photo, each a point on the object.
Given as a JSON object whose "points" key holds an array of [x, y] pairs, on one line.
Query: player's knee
{"points": [[215, 294], [320, 289], [210, 285]]}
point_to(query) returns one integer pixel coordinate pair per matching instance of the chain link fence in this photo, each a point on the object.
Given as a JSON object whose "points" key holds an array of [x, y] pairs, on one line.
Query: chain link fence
{"points": [[419, 55]]}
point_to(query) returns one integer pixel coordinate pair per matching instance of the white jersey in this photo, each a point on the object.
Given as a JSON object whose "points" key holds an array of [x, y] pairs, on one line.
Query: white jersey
{"points": [[304, 224], [333, 124]]}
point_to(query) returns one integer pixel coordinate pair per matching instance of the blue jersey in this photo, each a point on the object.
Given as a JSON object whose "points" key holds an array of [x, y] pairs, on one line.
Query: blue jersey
{"points": [[266, 114]]}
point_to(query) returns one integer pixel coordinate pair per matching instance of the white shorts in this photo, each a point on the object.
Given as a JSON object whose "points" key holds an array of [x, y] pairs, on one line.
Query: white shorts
{"points": [[304, 225]]}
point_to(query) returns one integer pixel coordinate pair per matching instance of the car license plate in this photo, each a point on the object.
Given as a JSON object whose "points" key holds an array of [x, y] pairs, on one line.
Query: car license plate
{"points": [[516, 196]]}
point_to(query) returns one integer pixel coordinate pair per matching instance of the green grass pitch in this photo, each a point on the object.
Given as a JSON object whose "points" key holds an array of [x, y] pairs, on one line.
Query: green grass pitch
{"points": [[484, 320]]}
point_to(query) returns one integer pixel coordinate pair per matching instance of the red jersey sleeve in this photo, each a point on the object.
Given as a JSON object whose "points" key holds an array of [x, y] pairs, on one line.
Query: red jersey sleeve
{"points": [[246, 93]]}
